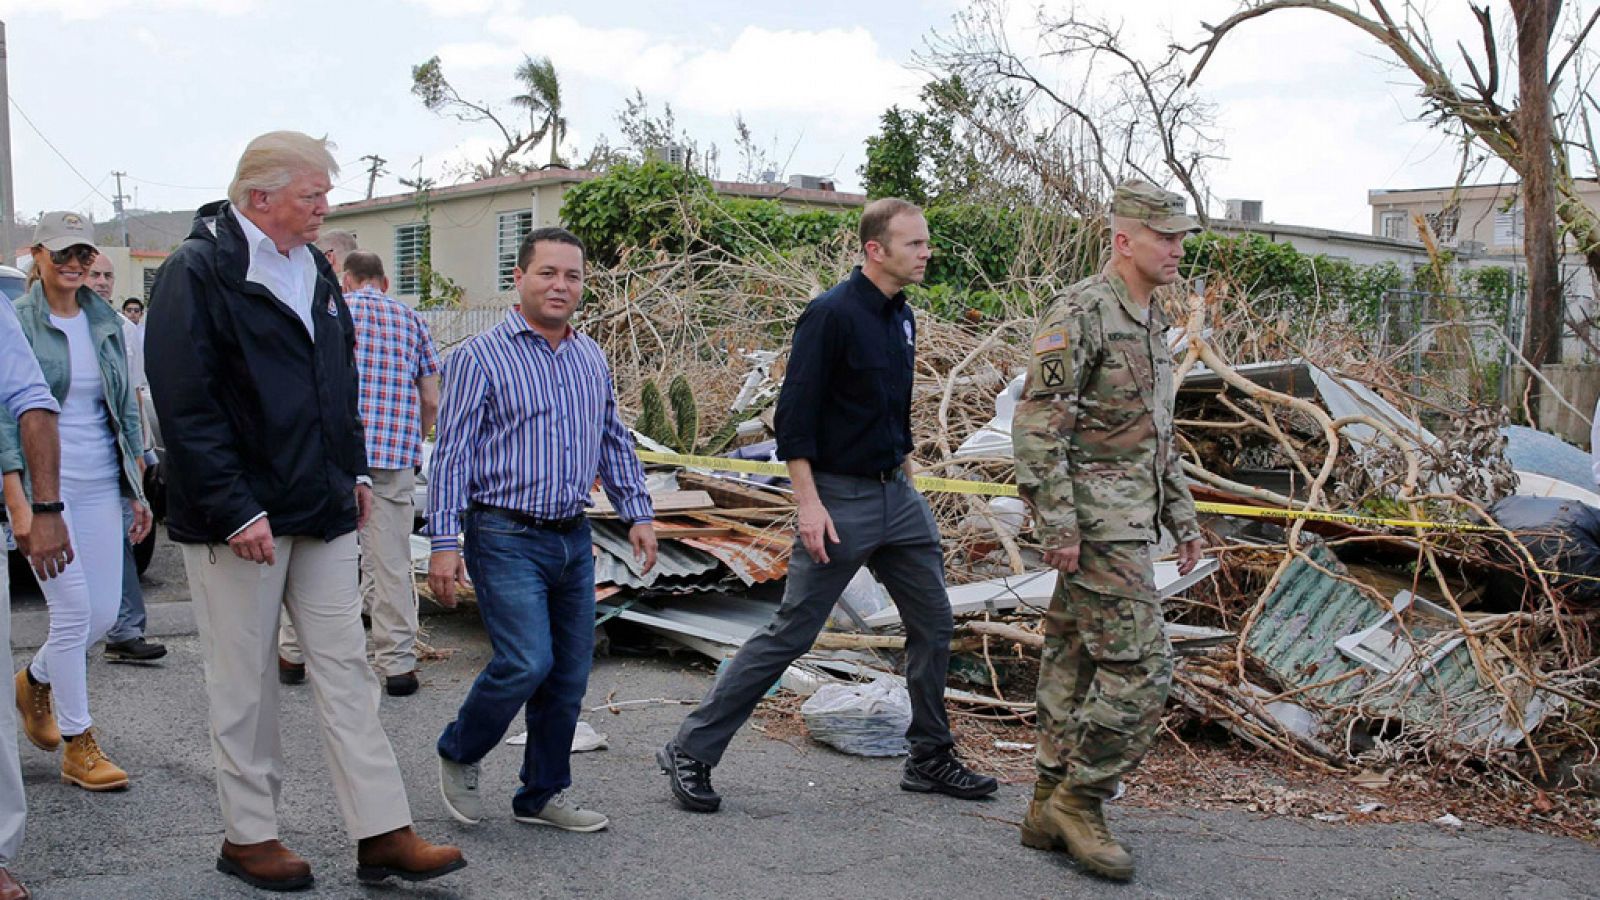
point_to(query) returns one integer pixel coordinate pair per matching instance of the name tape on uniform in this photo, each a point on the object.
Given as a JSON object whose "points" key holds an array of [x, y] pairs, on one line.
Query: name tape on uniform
{"points": [[959, 486]]}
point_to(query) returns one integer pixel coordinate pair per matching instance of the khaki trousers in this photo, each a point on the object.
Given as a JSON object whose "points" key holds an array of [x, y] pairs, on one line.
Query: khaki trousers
{"points": [[236, 608], [387, 593], [13, 805]]}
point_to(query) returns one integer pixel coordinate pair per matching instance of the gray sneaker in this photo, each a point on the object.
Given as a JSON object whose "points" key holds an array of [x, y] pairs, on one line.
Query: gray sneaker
{"points": [[458, 784], [562, 812]]}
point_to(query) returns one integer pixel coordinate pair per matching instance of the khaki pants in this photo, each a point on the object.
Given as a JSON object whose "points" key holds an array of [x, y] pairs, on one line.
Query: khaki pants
{"points": [[236, 608], [387, 592], [13, 805]]}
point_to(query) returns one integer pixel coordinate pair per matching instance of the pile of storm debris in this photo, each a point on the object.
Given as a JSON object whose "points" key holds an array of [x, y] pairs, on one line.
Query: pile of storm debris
{"points": [[1374, 592]]}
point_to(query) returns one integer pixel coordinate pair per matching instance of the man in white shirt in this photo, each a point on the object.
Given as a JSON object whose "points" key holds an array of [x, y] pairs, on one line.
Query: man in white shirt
{"points": [[252, 366]]}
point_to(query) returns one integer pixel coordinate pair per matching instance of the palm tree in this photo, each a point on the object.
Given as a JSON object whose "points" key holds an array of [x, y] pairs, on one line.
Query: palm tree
{"points": [[542, 97]]}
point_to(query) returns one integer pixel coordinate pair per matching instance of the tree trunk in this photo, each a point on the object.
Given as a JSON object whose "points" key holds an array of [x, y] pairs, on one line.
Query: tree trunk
{"points": [[1542, 343]]}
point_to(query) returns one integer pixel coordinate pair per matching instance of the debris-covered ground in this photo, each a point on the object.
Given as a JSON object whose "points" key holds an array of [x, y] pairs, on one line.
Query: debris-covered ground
{"points": [[1398, 580]]}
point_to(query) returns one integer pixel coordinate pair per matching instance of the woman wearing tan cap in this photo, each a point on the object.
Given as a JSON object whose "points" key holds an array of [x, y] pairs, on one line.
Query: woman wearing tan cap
{"points": [[78, 339]]}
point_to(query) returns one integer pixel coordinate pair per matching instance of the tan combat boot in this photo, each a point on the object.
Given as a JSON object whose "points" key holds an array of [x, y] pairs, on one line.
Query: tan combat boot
{"points": [[1036, 828], [38, 715], [1079, 823], [85, 765]]}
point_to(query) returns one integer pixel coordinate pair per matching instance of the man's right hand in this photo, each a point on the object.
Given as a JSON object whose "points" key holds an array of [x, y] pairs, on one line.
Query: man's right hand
{"points": [[446, 572], [47, 545], [255, 543], [1063, 559], [816, 530]]}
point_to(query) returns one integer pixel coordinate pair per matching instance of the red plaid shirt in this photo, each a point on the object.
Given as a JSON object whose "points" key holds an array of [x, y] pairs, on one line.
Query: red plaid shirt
{"points": [[393, 350]]}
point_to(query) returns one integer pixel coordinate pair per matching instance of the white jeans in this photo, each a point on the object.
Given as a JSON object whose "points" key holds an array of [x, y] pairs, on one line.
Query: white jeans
{"points": [[83, 600]]}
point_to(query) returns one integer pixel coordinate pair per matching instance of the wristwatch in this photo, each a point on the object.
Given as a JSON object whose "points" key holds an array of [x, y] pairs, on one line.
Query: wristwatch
{"points": [[53, 506]]}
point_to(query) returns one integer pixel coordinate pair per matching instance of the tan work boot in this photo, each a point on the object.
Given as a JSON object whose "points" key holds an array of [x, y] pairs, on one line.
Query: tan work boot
{"points": [[1036, 829], [38, 715], [85, 765], [1079, 823]]}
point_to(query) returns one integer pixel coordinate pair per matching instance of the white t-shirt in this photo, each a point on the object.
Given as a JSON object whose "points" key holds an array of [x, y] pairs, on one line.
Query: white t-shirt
{"points": [[88, 447]]}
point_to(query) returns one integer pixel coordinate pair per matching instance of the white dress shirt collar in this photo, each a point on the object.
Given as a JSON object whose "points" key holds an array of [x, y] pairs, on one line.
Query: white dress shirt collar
{"points": [[292, 278]]}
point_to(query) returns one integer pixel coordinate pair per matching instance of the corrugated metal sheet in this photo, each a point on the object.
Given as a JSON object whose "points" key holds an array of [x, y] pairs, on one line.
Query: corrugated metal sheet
{"points": [[1309, 611], [752, 555], [674, 561]]}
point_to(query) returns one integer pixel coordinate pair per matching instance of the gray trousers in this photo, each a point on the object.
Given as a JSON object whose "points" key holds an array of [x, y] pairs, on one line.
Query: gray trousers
{"points": [[13, 806], [131, 617], [888, 528]]}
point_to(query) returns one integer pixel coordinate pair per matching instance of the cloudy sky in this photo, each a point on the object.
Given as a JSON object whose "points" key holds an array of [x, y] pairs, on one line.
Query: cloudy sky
{"points": [[169, 91]]}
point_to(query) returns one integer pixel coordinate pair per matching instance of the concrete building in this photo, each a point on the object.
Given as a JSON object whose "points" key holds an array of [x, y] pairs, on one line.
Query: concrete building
{"points": [[476, 227], [1361, 249], [1482, 223]]}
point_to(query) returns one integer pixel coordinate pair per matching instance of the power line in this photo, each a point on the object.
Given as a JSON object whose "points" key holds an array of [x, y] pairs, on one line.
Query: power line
{"points": [[53, 148], [180, 187]]}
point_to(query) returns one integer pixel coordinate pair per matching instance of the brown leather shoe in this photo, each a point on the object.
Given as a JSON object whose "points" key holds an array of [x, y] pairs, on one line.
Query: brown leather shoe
{"points": [[403, 854], [38, 716], [268, 865], [10, 887], [290, 673]]}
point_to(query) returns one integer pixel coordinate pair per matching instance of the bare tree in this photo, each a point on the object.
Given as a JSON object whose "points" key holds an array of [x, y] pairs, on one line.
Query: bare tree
{"points": [[1521, 130], [440, 97], [1081, 113]]}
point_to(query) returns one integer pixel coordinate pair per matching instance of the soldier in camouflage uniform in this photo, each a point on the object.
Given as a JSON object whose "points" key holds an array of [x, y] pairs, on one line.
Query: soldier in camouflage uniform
{"points": [[1097, 466]]}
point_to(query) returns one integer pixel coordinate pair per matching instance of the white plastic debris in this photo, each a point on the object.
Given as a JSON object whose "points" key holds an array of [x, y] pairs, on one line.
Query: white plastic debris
{"points": [[1449, 821], [1012, 745], [861, 719], [1369, 807], [584, 739], [864, 596]]}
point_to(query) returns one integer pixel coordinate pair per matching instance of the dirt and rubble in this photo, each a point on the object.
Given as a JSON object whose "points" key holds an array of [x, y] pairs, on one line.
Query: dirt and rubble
{"points": [[1365, 612]]}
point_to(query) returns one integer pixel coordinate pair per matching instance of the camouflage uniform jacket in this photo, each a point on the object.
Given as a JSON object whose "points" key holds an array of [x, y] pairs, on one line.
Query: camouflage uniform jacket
{"points": [[1096, 458]]}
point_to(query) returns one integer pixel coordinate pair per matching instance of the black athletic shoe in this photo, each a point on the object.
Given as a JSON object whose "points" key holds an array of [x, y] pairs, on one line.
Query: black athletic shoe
{"points": [[945, 774], [136, 650], [690, 779]]}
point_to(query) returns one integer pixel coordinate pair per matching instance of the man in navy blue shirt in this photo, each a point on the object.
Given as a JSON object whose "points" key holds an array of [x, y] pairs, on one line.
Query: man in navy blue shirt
{"points": [[844, 430]]}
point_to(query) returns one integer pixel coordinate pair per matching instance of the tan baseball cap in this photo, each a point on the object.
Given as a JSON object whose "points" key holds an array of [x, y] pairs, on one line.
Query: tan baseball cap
{"points": [[59, 230], [1163, 211]]}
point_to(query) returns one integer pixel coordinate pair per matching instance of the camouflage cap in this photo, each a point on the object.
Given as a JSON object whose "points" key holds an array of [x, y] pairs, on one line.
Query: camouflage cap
{"points": [[1163, 211]]}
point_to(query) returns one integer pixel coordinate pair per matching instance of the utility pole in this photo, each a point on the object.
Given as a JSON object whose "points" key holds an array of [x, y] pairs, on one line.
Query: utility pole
{"points": [[373, 171], [8, 200], [116, 203]]}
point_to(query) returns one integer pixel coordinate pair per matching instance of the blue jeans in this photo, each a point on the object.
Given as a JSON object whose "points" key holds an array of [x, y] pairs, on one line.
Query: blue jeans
{"points": [[535, 593], [130, 618]]}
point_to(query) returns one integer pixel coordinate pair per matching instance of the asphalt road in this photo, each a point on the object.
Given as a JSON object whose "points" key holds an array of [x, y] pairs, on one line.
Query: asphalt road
{"points": [[797, 822]]}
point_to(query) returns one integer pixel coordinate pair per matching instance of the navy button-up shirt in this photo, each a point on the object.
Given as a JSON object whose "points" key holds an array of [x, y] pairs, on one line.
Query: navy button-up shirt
{"points": [[846, 399]]}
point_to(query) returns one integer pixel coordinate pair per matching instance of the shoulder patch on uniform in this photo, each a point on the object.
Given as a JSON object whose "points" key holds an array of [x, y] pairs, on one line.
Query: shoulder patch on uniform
{"points": [[1050, 342], [1053, 373]]}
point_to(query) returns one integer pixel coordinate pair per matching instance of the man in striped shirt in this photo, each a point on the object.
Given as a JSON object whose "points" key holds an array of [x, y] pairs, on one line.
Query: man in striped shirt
{"points": [[529, 417]]}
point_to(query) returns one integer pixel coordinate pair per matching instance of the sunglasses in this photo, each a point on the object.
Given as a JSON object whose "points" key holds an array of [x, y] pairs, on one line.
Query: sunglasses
{"points": [[81, 252]]}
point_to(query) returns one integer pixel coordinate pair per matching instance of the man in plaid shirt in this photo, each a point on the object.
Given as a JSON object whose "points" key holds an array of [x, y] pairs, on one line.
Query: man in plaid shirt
{"points": [[399, 370]]}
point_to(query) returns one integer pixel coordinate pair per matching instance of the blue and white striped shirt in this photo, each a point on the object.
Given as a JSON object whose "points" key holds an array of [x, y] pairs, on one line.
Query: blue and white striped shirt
{"points": [[22, 385], [525, 427]]}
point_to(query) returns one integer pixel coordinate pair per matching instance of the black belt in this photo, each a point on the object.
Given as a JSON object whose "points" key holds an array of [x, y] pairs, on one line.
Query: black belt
{"points": [[521, 518], [895, 473]]}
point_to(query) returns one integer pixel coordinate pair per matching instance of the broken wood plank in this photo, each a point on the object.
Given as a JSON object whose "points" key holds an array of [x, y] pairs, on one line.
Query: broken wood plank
{"points": [[731, 494], [665, 502]]}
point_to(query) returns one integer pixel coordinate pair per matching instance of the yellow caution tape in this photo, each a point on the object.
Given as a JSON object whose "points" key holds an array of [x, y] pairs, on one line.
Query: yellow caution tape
{"points": [[957, 486]]}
